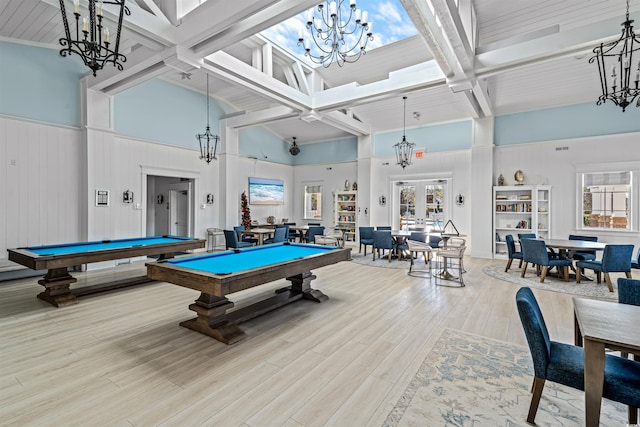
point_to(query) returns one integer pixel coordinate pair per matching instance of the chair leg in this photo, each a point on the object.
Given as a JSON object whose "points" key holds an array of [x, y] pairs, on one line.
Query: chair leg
{"points": [[538, 385], [607, 280], [566, 273], [508, 265], [598, 277], [633, 415], [578, 274], [520, 265], [524, 269], [628, 274], [543, 274], [360, 250]]}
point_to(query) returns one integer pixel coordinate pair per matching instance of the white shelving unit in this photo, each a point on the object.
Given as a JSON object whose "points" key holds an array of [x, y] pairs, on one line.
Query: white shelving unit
{"points": [[346, 212], [520, 209]]}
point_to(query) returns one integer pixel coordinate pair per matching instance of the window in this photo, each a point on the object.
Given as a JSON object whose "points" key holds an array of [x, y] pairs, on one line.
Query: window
{"points": [[313, 202], [420, 204], [606, 200]]}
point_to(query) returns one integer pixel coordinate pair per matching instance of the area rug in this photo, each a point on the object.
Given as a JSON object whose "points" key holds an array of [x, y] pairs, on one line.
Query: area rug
{"points": [[584, 288], [468, 380], [384, 262]]}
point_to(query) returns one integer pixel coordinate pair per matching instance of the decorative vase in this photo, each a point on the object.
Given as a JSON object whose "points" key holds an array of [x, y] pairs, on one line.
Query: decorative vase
{"points": [[346, 185], [501, 180]]}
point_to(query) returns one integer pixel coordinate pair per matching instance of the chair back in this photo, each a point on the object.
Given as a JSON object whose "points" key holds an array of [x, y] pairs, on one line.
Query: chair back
{"points": [[535, 330], [279, 235], [382, 240], [418, 236], [526, 236], [239, 229], [313, 232], [291, 235], [585, 239], [628, 291], [511, 245], [231, 238], [617, 258], [434, 240], [534, 251], [314, 224], [366, 233], [384, 228]]}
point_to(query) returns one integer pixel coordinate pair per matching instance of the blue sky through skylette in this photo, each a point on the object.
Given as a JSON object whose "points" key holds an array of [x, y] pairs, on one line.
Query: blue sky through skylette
{"points": [[390, 24]]}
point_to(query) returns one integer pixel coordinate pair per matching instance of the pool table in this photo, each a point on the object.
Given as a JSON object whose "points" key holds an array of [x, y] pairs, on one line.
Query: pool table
{"points": [[218, 275], [58, 258]]}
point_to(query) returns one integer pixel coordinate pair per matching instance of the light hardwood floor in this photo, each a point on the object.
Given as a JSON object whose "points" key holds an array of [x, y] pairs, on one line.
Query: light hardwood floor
{"points": [[120, 358]]}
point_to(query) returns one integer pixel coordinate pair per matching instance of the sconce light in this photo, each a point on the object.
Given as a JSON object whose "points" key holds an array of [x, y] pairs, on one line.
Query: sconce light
{"points": [[209, 199], [382, 200], [127, 196], [160, 199], [459, 200]]}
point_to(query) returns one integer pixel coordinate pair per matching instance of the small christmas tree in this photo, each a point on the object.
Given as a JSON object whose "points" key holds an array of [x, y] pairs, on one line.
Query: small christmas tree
{"points": [[246, 214]]}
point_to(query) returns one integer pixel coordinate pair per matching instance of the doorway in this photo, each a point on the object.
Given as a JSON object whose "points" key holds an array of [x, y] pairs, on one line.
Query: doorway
{"points": [[170, 202], [421, 204], [179, 209]]}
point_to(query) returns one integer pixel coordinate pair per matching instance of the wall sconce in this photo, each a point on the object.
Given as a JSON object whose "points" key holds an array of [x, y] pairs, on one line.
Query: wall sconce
{"points": [[459, 200], [382, 200], [210, 199], [160, 199], [127, 196]]}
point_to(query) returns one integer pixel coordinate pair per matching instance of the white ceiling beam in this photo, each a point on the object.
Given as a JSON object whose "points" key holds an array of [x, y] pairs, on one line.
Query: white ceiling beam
{"points": [[301, 77], [150, 4], [346, 123], [261, 117], [290, 76], [137, 62]]}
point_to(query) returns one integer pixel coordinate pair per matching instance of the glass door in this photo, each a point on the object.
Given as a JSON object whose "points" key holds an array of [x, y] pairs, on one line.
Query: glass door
{"points": [[421, 204]]}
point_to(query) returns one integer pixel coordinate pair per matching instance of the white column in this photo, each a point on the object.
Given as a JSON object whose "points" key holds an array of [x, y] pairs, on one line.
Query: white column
{"points": [[365, 197], [481, 195], [230, 187]]}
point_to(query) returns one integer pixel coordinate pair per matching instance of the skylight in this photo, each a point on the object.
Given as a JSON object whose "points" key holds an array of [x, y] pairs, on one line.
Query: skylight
{"points": [[390, 24]]}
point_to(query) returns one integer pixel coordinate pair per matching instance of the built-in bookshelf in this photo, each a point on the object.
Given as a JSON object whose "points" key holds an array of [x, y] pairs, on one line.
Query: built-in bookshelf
{"points": [[346, 207], [520, 209]]}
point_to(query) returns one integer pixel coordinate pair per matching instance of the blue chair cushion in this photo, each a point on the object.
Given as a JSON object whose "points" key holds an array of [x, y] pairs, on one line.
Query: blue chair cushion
{"points": [[628, 291], [559, 262], [566, 364], [584, 256], [592, 265]]}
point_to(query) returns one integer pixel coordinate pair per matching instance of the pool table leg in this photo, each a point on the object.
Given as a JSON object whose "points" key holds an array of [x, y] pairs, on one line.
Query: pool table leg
{"points": [[212, 319], [56, 287], [301, 284]]}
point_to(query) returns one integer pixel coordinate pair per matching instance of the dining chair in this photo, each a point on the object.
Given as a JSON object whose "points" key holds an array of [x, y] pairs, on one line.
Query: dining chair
{"points": [[564, 363], [629, 293], [434, 241], [243, 237], [417, 243], [451, 258], [366, 238], [584, 255], [232, 242], [292, 235], [512, 252], [615, 259], [279, 236], [635, 263], [552, 253], [535, 252], [382, 240], [313, 232]]}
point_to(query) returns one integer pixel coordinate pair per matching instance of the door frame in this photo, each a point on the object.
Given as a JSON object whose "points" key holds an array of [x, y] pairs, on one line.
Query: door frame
{"points": [[180, 187]]}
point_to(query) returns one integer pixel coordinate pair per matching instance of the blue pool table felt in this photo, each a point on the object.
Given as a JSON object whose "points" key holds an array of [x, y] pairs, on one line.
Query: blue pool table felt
{"points": [[102, 245], [246, 259]]}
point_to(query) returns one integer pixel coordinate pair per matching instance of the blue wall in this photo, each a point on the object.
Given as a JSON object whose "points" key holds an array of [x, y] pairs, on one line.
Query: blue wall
{"points": [[39, 84], [444, 137], [573, 121], [263, 145], [336, 151]]}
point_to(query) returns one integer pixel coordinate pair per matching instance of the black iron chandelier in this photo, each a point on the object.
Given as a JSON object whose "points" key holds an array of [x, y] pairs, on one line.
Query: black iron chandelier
{"points": [[404, 149], [618, 89], [92, 43], [340, 34], [208, 141], [294, 149]]}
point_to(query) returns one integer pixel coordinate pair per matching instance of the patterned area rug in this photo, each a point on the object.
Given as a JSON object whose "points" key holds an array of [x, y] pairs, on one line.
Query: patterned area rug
{"points": [[383, 262], [468, 380], [584, 288]]}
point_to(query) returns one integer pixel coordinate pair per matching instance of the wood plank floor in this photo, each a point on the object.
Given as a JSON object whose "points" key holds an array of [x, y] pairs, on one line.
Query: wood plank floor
{"points": [[120, 358]]}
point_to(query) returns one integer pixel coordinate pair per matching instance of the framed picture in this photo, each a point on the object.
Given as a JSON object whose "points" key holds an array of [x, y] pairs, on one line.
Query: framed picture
{"points": [[429, 198], [102, 197], [127, 196]]}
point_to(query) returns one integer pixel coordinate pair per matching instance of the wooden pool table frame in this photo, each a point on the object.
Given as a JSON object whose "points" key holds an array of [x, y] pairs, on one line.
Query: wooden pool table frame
{"points": [[212, 307], [57, 281]]}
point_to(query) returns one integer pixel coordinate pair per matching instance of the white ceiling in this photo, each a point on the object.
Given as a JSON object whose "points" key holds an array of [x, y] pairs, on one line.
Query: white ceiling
{"points": [[521, 55]]}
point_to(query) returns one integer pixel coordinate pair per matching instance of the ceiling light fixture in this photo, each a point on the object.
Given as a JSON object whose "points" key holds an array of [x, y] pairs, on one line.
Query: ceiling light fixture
{"points": [[339, 33], [404, 149], [94, 44], [294, 149], [620, 64], [208, 142]]}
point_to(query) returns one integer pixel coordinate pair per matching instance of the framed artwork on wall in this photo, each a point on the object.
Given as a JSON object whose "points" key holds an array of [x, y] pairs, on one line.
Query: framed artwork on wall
{"points": [[102, 197]]}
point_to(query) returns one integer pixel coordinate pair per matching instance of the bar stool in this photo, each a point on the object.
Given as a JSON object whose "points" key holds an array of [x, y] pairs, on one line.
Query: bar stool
{"points": [[450, 259], [212, 235]]}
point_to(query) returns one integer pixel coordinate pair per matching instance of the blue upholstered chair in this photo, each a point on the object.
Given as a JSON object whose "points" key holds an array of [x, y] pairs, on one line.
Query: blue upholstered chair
{"points": [[293, 235], [366, 238], [434, 241], [628, 293], [552, 253], [243, 237], [585, 255], [535, 252], [231, 239], [564, 363], [512, 252], [279, 236], [615, 259], [313, 232], [382, 240], [635, 263]]}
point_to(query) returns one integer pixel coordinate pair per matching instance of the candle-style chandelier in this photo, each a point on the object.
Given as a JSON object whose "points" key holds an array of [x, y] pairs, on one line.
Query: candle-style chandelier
{"points": [[404, 149], [93, 44], [620, 63], [340, 34], [208, 141]]}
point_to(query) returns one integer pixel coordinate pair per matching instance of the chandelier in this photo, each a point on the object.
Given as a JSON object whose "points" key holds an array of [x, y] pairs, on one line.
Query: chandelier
{"points": [[294, 149], [93, 45], [339, 33], [208, 141], [620, 64], [404, 149]]}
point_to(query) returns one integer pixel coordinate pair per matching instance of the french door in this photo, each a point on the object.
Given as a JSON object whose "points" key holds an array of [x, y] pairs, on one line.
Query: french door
{"points": [[421, 204]]}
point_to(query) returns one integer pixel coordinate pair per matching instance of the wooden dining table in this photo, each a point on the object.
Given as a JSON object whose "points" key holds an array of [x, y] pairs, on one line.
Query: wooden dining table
{"points": [[564, 245], [598, 325], [259, 233]]}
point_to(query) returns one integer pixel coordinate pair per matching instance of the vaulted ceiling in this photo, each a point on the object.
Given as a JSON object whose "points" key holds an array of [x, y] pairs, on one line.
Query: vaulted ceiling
{"points": [[471, 58]]}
